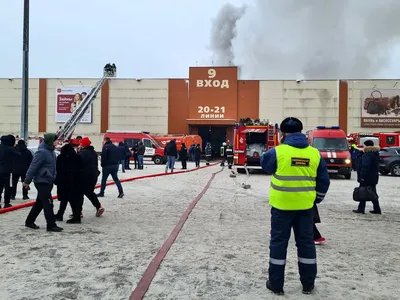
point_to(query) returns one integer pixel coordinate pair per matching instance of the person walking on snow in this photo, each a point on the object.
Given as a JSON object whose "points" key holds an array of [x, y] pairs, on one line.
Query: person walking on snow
{"points": [[110, 160], [140, 154], [368, 174], [299, 179], [197, 155], [43, 172], [21, 165], [68, 181], [90, 173], [183, 154]]}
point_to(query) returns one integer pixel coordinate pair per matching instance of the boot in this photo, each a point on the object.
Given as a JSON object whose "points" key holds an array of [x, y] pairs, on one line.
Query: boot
{"points": [[55, 228]]}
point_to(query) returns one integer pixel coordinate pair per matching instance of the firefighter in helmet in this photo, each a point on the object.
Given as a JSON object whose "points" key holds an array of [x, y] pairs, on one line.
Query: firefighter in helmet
{"points": [[299, 180], [229, 154], [208, 152], [222, 153]]}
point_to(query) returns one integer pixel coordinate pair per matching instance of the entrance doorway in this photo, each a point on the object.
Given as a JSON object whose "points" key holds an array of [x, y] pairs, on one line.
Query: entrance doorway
{"points": [[215, 135]]}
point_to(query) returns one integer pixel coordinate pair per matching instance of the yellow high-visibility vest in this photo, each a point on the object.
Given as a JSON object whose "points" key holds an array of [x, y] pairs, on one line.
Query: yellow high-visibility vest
{"points": [[293, 184]]}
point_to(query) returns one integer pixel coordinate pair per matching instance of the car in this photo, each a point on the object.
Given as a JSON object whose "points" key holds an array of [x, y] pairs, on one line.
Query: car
{"points": [[389, 161]]}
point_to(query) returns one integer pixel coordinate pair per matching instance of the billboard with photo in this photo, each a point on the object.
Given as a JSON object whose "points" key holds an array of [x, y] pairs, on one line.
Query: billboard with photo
{"points": [[380, 108], [68, 98]]}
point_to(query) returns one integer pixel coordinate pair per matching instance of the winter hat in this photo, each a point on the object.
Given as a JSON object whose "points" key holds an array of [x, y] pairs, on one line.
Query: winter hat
{"points": [[291, 125], [85, 142], [49, 138], [369, 143]]}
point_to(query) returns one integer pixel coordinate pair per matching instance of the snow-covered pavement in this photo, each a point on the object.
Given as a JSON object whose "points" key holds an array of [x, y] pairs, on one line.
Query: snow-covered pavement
{"points": [[221, 252]]}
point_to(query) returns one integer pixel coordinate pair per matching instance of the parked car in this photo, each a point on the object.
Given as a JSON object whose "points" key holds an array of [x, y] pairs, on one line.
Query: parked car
{"points": [[389, 161]]}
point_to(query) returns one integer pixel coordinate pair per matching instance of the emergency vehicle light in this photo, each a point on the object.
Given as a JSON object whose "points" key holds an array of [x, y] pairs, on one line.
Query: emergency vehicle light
{"points": [[324, 127]]}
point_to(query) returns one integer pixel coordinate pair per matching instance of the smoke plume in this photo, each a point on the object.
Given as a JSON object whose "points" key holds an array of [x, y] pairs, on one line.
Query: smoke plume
{"points": [[223, 31], [313, 39]]}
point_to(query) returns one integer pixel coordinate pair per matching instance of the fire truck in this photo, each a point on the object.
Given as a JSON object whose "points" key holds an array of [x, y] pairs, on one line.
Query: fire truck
{"points": [[251, 140], [334, 148], [382, 139]]}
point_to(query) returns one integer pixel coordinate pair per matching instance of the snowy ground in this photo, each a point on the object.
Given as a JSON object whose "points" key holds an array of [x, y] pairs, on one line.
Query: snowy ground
{"points": [[221, 253]]}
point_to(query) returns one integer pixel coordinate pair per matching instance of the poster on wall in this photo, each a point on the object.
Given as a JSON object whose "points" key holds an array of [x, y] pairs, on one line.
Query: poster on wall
{"points": [[68, 98], [380, 108]]}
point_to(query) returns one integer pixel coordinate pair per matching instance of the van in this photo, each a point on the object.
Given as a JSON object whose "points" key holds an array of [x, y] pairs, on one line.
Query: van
{"points": [[154, 150], [334, 148]]}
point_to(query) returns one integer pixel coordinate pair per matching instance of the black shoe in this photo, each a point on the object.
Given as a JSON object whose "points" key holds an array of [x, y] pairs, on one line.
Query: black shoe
{"points": [[74, 221], [13, 198], [275, 291], [100, 195], [308, 290], [375, 212], [7, 205], [58, 218], [55, 229], [121, 195], [358, 212], [32, 226], [25, 198]]}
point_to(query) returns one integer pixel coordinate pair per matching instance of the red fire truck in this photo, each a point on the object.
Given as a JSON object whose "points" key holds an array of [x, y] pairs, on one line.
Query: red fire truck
{"points": [[334, 148], [386, 139], [251, 140]]}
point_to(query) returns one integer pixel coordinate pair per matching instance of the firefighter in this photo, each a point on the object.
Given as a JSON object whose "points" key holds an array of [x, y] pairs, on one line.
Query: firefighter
{"points": [[299, 179], [354, 155], [229, 155], [208, 152], [222, 153]]}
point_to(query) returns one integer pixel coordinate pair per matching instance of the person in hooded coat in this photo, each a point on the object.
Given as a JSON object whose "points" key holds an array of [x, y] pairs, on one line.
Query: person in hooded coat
{"points": [[368, 174], [43, 172], [8, 154], [68, 181], [197, 155], [21, 166], [183, 155], [90, 173]]}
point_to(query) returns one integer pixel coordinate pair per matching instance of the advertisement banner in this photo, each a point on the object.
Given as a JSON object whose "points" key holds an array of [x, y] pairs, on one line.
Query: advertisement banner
{"points": [[68, 98], [380, 108], [213, 93]]}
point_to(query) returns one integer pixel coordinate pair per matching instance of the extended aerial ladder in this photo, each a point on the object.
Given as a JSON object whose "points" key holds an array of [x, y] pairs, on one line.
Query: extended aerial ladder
{"points": [[67, 129]]}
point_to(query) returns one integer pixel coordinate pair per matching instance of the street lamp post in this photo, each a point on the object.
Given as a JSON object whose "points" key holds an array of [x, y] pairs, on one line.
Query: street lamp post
{"points": [[25, 74]]}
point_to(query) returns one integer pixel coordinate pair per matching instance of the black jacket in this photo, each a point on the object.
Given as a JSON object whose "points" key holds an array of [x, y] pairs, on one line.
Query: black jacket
{"points": [[122, 151], [90, 170], [183, 153], [197, 152], [8, 154], [110, 155], [141, 150], [170, 149], [69, 170], [368, 166], [22, 163], [135, 150]]}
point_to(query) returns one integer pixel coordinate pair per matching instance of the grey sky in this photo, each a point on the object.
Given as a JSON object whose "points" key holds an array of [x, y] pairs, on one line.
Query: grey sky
{"points": [[146, 39]]}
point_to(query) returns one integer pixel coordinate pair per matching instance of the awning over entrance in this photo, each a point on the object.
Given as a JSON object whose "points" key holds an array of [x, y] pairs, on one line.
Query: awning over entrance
{"points": [[255, 130]]}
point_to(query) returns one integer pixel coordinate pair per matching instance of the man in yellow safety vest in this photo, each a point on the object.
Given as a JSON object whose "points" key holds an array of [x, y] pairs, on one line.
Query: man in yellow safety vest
{"points": [[299, 179]]}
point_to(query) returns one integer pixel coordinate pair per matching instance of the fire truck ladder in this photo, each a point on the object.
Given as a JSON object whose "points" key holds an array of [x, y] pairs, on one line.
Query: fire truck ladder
{"points": [[65, 131]]}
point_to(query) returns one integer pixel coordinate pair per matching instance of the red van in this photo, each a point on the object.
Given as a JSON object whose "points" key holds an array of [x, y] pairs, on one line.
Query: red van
{"points": [[154, 150], [334, 148]]}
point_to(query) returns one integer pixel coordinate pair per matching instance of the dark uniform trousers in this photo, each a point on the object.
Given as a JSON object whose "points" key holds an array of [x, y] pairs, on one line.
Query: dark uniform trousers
{"points": [[281, 223], [43, 201]]}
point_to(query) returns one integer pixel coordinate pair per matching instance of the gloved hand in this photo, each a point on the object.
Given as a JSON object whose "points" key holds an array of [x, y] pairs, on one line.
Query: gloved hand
{"points": [[318, 199]]}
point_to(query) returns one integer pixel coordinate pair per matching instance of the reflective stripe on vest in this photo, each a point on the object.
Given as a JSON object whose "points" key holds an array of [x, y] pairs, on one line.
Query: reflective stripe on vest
{"points": [[293, 184]]}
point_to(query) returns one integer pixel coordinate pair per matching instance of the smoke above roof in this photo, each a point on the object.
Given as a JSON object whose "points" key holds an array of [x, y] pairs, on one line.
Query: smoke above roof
{"points": [[307, 39]]}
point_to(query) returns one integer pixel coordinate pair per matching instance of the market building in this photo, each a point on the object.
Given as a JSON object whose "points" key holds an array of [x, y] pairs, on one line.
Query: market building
{"points": [[209, 103]]}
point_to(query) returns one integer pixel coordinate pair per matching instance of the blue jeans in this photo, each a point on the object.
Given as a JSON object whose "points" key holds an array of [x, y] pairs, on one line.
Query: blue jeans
{"points": [[140, 161], [170, 163], [113, 171], [282, 222], [122, 162]]}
